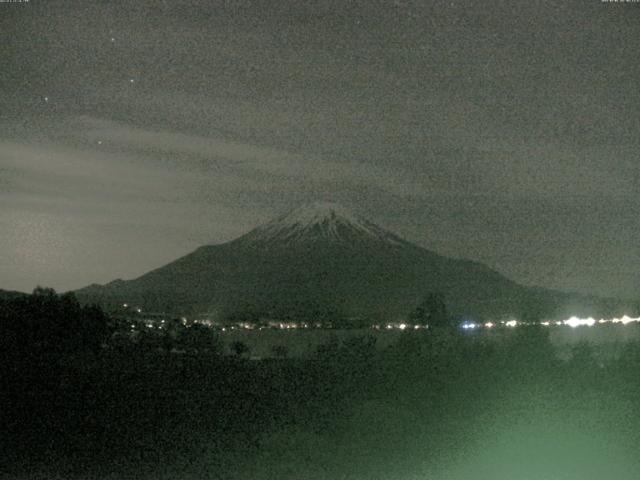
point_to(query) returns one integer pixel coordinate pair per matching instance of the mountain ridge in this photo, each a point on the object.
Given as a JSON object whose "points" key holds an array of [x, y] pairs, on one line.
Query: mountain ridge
{"points": [[320, 261]]}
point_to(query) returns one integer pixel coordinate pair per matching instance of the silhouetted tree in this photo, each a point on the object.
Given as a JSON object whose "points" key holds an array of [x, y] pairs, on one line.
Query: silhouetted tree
{"points": [[360, 346], [46, 324], [152, 340], [532, 346], [239, 348], [410, 344], [432, 311], [280, 351], [328, 348], [198, 338]]}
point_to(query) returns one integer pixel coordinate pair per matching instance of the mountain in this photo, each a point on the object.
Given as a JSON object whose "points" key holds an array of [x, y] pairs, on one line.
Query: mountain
{"points": [[321, 261]]}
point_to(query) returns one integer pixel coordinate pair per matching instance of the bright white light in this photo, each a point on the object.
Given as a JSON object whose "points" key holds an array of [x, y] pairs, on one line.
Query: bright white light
{"points": [[139, 310], [626, 319], [469, 326], [125, 305], [574, 322], [402, 326], [546, 324], [489, 324], [511, 323]]}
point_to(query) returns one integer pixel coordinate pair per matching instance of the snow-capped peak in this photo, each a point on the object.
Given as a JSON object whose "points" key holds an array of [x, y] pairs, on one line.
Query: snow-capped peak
{"points": [[316, 213], [320, 220]]}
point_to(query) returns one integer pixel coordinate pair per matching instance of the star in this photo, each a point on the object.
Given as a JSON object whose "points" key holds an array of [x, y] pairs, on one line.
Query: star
{"points": [[113, 39], [131, 80], [99, 142], [46, 99]]}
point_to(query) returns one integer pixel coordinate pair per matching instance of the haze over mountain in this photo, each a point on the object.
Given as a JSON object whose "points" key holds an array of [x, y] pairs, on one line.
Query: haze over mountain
{"points": [[321, 261]]}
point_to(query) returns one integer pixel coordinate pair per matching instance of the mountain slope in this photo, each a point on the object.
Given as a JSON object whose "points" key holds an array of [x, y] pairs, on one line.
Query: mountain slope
{"points": [[322, 262]]}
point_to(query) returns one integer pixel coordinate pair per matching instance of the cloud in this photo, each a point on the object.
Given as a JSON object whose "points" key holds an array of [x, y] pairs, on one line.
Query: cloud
{"points": [[244, 163]]}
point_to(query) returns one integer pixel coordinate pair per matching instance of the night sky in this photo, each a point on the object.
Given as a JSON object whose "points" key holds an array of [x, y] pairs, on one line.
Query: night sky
{"points": [[132, 132]]}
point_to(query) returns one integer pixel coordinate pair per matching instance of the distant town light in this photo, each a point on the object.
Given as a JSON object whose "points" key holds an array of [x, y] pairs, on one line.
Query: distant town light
{"points": [[511, 323], [402, 326], [626, 319], [574, 322], [489, 324]]}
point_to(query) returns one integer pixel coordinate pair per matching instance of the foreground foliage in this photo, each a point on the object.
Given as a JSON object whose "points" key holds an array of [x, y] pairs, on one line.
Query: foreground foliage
{"points": [[434, 405]]}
